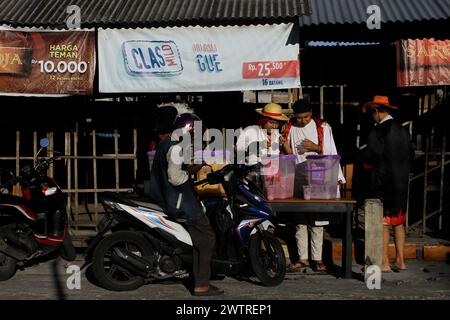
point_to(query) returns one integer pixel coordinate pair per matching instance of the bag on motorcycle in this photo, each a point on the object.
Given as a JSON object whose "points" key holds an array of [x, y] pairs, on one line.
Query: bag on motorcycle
{"points": [[222, 223]]}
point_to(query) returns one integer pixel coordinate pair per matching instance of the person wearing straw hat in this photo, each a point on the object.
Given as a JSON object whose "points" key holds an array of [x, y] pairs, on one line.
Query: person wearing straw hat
{"points": [[388, 156], [258, 142], [265, 135]]}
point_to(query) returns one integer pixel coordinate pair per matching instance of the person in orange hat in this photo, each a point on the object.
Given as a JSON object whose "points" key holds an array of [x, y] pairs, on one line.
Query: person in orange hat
{"points": [[388, 155]]}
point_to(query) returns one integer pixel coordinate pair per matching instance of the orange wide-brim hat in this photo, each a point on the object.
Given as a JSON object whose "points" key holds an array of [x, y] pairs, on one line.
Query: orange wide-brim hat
{"points": [[273, 111], [377, 101]]}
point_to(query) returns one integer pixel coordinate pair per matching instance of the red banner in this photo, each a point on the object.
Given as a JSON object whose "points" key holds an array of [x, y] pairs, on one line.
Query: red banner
{"points": [[47, 63], [423, 62], [270, 69]]}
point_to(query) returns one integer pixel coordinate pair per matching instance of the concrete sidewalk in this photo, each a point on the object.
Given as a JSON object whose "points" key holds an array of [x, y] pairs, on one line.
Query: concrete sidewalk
{"points": [[423, 281]]}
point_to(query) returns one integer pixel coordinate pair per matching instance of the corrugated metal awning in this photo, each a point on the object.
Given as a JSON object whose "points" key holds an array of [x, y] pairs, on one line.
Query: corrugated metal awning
{"points": [[355, 11], [145, 13]]}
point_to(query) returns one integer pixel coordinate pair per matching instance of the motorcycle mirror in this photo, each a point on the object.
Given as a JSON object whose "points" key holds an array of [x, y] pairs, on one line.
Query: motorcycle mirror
{"points": [[44, 142]]}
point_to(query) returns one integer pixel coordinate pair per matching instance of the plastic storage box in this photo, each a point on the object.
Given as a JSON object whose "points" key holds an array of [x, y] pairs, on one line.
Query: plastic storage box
{"points": [[322, 169], [279, 177], [323, 173], [323, 191]]}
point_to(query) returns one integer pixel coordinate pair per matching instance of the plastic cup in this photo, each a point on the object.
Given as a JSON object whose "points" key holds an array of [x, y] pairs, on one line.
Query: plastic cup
{"points": [[299, 147], [307, 192]]}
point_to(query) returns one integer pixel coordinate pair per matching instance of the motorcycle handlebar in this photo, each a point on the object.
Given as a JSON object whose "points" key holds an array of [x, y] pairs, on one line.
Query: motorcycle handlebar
{"points": [[29, 171], [200, 182], [212, 178], [39, 166]]}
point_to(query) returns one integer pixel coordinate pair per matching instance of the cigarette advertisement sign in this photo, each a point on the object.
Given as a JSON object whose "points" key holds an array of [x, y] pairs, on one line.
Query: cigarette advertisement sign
{"points": [[46, 62], [424, 62], [198, 59]]}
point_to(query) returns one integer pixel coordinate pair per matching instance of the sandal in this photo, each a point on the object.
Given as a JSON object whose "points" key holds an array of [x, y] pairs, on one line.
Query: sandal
{"points": [[394, 266], [297, 266], [319, 266], [386, 269]]}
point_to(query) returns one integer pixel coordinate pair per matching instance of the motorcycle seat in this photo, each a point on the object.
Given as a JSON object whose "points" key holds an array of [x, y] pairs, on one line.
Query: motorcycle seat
{"points": [[148, 205], [131, 201]]}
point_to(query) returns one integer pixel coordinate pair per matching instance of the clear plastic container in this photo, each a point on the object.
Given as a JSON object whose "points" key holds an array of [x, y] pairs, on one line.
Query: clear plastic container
{"points": [[323, 169], [323, 191], [279, 177]]}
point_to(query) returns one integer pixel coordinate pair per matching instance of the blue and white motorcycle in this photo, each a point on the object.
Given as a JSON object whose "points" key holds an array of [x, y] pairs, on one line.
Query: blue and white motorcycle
{"points": [[138, 243]]}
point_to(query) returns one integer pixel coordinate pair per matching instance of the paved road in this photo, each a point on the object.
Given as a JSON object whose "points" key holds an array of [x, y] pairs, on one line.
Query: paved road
{"points": [[423, 280]]}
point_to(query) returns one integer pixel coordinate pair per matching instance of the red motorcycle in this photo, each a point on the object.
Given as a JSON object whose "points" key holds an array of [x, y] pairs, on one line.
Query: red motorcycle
{"points": [[33, 228]]}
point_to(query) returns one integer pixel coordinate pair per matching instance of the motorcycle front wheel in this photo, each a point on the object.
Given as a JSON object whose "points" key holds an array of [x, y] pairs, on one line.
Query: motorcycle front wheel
{"points": [[112, 276], [8, 267], [267, 258]]}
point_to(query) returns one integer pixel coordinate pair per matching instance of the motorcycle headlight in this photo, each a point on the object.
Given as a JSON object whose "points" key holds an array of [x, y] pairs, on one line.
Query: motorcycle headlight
{"points": [[111, 206]]}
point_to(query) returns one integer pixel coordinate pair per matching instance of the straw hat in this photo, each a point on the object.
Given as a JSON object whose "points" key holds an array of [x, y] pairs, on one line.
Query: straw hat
{"points": [[377, 101], [272, 111]]}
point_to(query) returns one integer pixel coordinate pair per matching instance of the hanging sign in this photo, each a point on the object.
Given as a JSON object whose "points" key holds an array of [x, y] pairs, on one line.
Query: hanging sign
{"points": [[423, 62], [195, 59], [46, 62]]}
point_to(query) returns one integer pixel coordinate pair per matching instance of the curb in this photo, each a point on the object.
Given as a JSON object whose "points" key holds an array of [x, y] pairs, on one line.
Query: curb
{"points": [[439, 252]]}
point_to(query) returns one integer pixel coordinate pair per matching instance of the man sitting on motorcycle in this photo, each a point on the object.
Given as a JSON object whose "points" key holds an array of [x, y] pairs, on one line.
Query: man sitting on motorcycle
{"points": [[172, 188]]}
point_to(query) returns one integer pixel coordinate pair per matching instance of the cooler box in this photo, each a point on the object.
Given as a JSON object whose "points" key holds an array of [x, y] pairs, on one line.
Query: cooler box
{"points": [[279, 177], [323, 170]]}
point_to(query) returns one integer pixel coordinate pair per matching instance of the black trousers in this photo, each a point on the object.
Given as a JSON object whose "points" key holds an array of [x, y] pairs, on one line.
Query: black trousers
{"points": [[203, 241]]}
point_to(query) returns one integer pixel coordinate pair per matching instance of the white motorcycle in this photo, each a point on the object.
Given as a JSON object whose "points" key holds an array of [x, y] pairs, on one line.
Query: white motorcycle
{"points": [[146, 245]]}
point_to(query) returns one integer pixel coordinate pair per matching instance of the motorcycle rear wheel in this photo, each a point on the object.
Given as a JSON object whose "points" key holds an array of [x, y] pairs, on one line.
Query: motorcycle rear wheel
{"points": [[267, 258], [8, 267], [112, 276]]}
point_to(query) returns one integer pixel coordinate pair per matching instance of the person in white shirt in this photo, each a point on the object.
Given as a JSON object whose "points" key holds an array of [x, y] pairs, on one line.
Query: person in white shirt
{"points": [[306, 136], [262, 139]]}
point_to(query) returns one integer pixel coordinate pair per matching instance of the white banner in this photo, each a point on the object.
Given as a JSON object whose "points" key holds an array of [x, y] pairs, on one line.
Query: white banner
{"points": [[196, 59]]}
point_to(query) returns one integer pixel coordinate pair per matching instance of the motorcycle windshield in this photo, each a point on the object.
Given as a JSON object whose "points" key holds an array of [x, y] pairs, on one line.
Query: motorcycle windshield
{"points": [[259, 202]]}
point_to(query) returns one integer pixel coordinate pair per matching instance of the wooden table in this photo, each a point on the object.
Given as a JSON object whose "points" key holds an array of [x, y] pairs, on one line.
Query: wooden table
{"points": [[338, 206]]}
